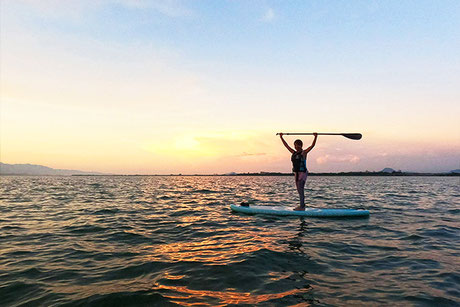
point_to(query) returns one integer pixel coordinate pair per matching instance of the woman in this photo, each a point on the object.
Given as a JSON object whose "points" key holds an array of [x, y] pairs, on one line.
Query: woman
{"points": [[299, 166]]}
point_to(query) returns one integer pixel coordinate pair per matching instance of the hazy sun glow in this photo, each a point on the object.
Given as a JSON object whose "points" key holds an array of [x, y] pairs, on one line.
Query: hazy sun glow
{"points": [[117, 87]]}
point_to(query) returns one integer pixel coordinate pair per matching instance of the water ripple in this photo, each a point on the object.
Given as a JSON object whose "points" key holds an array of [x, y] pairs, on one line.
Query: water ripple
{"points": [[168, 241]]}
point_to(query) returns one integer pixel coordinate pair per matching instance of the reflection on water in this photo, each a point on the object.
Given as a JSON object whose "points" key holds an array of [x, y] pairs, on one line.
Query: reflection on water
{"points": [[173, 240], [223, 298]]}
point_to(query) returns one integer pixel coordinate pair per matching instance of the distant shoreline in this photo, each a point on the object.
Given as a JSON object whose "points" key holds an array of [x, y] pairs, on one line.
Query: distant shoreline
{"points": [[342, 174], [40, 170], [348, 174], [271, 174]]}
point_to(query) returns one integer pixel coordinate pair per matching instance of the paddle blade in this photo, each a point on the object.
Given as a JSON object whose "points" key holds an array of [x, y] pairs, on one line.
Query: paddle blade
{"points": [[353, 136]]}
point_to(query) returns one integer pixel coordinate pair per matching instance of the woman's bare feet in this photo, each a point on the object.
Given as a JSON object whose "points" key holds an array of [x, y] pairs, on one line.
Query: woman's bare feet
{"points": [[299, 208]]}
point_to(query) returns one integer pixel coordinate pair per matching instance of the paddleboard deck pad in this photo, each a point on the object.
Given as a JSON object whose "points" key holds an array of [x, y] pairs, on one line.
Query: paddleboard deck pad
{"points": [[288, 211]]}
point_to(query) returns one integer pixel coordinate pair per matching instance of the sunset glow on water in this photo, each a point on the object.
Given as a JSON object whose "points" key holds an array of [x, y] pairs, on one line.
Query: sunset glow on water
{"points": [[173, 240]]}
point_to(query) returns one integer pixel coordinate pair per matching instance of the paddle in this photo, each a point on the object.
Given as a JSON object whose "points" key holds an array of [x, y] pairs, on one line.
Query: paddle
{"points": [[352, 136]]}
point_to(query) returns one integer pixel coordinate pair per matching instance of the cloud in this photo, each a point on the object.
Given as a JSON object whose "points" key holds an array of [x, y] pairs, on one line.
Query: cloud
{"points": [[246, 154], [171, 8], [79, 9], [337, 159], [269, 15]]}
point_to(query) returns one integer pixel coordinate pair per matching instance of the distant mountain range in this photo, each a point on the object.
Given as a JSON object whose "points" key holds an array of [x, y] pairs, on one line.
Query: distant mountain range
{"points": [[32, 169]]}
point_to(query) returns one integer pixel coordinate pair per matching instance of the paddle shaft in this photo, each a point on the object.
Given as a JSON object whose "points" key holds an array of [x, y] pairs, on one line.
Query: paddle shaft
{"points": [[302, 133], [353, 136]]}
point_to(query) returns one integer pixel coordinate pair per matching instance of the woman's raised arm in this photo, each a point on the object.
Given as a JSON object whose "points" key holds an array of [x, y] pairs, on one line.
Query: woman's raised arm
{"points": [[286, 144]]}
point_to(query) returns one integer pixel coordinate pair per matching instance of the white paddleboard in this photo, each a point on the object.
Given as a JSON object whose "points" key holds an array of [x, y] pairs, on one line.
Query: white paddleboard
{"points": [[286, 211]]}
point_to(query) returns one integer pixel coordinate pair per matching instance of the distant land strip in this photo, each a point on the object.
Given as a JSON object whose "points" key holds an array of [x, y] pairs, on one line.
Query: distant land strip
{"points": [[384, 174], [40, 170]]}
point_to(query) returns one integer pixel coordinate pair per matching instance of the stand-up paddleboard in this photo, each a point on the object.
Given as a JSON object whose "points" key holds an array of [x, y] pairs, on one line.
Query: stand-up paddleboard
{"points": [[286, 211]]}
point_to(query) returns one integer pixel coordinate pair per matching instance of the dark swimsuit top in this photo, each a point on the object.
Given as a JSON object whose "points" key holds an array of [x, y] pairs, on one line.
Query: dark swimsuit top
{"points": [[299, 162]]}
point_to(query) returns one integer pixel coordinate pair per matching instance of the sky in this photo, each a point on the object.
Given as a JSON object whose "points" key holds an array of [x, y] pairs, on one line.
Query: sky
{"points": [[202, 87]]}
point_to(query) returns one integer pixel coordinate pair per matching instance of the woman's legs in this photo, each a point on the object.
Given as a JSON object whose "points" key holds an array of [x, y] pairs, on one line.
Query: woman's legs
{"points": [[300, 179]]}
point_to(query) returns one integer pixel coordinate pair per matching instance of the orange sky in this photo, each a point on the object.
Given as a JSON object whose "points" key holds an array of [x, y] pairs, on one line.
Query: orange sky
{"points": [[79, 93]]}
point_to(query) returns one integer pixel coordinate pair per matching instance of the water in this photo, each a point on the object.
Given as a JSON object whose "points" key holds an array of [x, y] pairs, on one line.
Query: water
{"points": [[149, 241]]}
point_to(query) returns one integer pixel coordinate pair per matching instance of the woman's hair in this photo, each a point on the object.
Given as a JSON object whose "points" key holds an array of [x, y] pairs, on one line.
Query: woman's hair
{"points": [[298, 142]]}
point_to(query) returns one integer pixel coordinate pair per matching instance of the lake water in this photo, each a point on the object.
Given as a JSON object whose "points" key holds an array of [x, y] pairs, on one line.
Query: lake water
{"points": [[149, 241]]}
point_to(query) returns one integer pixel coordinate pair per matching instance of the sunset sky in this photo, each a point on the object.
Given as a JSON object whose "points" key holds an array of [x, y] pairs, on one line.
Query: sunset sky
{"points": [[159, 87]]}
